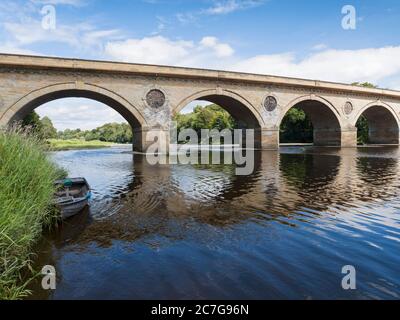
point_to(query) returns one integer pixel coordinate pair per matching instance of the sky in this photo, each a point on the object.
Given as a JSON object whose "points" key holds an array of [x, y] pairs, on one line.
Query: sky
{"points": [[296, 38]]}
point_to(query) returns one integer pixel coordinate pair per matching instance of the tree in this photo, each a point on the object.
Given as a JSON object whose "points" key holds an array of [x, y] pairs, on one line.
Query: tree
{"points": [[296, 127], [47, 129], [362, 122], [32, 120], [364, 84], [109, 132], [208, 117]]}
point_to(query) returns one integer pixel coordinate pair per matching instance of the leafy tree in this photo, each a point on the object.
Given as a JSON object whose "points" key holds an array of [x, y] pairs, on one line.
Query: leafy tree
{"points": [[208, 117], [47, 129], [32, 120], [364, 84], [362, 122], [296, 127], [362, 130], [110, 132]]}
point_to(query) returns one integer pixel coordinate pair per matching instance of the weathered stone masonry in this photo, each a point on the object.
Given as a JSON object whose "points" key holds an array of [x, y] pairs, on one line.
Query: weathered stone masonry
{"points": [[149, 96]]}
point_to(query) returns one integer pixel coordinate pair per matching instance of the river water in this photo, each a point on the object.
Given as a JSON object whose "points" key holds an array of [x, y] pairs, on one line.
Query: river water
{"points": [[202, 232]]}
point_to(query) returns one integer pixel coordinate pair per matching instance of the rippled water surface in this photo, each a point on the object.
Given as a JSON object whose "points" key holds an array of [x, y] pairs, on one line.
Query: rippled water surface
{"points": [[195, 232]]}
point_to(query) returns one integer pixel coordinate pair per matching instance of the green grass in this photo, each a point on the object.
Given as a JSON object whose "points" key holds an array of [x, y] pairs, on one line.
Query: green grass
{"points": [[26, 190], [57, 144]]}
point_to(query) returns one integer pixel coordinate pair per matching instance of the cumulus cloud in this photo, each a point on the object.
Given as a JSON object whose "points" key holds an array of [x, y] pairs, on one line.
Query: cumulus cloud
{"points": [[82, 36], [376, 65], [156, 50], [220, 49], [162, 50], [372, 64]]}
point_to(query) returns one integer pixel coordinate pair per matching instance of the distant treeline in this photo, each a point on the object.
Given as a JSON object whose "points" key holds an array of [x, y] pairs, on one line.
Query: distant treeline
{"points": [[110, 132]]}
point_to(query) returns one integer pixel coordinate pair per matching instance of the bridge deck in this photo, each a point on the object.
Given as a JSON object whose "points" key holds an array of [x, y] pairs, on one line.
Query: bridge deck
{"points": [[39, 62]]}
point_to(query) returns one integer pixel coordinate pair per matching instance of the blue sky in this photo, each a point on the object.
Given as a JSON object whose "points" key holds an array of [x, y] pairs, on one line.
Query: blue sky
{"points": [[286, 37]]}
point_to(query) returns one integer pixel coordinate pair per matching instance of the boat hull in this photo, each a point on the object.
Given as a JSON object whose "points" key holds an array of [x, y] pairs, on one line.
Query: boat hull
{"points": [[69, 210], [72, 196]]}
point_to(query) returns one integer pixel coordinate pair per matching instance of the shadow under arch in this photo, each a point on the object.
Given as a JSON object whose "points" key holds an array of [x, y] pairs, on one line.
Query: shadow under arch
{"points": [[383, 125], [36, 98], [324, 116], [245, 114]]}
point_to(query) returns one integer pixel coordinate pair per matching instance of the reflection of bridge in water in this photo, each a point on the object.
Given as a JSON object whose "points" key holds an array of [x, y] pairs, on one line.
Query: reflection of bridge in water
{"points": [[284, 186]]}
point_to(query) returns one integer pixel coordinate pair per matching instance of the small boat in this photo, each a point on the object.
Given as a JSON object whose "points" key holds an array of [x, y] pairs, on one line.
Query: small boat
{"points": [[72, 196]]}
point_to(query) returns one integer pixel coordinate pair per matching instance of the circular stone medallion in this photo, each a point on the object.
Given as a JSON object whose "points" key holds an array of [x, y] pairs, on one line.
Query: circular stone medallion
{"points": [[155, 98], [270, 103], [348, 108]]}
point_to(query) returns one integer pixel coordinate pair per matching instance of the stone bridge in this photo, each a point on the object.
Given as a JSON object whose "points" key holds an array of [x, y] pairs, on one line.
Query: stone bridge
{"points": [[148, 97]]}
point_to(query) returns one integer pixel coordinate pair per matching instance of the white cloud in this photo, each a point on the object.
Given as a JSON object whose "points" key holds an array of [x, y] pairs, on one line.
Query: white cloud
{"points": [[222, 7], [320, 46], [186, 18], [229, 6], [81, 36], [161, 50], [373, 64], [156, 50], [161, 25], [221, 49], [10, 48]]}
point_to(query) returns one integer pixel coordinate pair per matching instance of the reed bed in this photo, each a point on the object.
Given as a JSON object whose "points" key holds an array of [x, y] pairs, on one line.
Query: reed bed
{"points": [[26, 189]]}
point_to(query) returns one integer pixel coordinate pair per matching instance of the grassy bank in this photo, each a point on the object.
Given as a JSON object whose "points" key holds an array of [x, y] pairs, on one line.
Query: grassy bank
{"points": [[26, 190], [57, 144]]}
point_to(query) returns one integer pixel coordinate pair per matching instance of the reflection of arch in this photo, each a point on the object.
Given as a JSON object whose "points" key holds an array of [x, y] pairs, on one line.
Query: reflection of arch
{"points": [[240, 108], [376, 172], [323, 115], [73, 90], [383, 123], [303, 170]]}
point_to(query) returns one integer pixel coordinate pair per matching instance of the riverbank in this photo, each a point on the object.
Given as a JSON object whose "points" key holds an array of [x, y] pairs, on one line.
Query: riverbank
{"points": [[26, 191], [75, 144]]}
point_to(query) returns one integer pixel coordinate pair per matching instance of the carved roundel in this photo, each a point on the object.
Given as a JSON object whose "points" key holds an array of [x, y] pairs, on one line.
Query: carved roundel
{"points": [[270, 103], [348, 108], [155, 98]]}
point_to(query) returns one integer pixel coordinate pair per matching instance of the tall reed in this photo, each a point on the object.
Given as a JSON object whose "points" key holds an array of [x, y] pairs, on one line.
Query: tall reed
{"points": [[26, 190]]}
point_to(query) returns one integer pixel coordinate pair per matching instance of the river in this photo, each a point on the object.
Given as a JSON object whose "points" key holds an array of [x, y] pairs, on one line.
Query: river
{"points": [[202, 232]]}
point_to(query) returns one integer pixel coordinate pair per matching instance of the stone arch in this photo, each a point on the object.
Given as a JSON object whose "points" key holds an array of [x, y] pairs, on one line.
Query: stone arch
{"points": [[383, 123], [46, 94], [239, 107], [247, 116], [324, 116]]}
